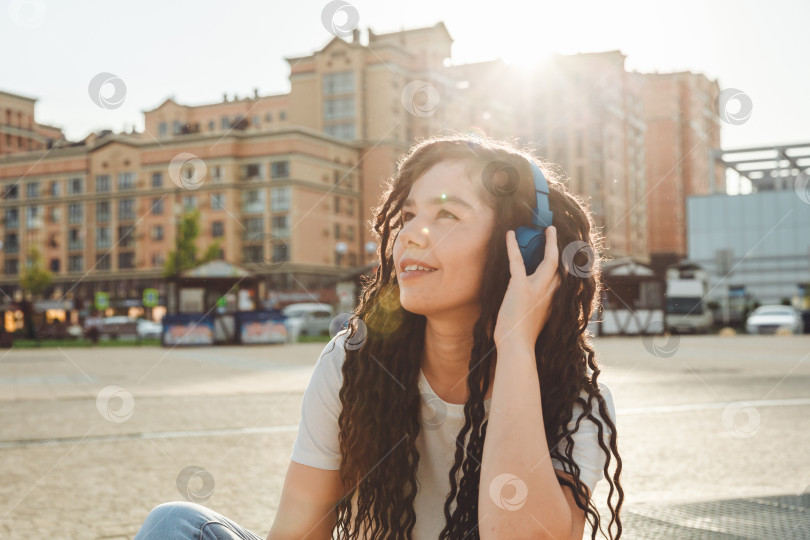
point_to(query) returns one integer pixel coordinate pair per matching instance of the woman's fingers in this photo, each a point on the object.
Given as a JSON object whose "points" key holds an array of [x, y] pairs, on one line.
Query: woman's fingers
{"points": [[516, 265]]}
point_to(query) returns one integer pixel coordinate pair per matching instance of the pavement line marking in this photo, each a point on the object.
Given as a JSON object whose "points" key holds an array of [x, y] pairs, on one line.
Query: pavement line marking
{"points": [[153, 435], [291, 428], [709, 406]]}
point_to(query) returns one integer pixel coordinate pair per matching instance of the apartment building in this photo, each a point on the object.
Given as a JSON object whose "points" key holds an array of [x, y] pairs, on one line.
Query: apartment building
{"points": [[585, 114], [682, 129], [19, 131], [287, 182]]}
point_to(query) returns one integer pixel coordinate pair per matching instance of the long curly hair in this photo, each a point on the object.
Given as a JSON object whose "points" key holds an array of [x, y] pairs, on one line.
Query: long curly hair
{"points": [[381, 401]]}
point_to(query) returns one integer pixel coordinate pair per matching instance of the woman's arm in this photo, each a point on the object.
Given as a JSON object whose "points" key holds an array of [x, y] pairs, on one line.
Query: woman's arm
{"points": [[519, 494], [307, 507]]}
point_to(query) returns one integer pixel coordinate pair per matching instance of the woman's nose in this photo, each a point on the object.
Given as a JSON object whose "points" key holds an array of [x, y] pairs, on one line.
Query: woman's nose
{"points": [[413, 232]]}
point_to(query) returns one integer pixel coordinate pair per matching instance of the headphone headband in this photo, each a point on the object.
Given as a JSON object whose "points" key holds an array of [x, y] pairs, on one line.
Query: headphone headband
{"points": [[542, 215]]}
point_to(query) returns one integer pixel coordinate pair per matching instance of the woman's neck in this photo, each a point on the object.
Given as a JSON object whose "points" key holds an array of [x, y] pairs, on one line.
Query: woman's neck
{"points": [[446, 359]]}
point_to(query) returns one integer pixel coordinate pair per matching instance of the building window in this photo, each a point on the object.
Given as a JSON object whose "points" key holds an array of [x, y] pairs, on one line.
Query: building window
{"points": [[341, 82], [32, 218], [281, 226], [54, 267], [11, 267], [350, 207], [337, 231], [55, 189], [226, 123], [337, 205], [55, 214], [280, 199], [254, 229], [126, 180], [157, 180], [75, 186], [126, 209], [103, 211], [253, 171], [158, 259], [103, 238], [157, 232], [11, 192], [157, 206], [11, 243], [217, 201], [163, 129], [211, 125], [268, 117], [189, 202], [75, 240], [256, 121], [126, 260], [125, 237], [75, 213], [102, 183], [282, 115], [32, 190], [217, 229], [280, 169], [216, 174], [12, 220], [349, 233], [75, 263], [280, 253], [338, 108], [103, 261], [177, 127]]}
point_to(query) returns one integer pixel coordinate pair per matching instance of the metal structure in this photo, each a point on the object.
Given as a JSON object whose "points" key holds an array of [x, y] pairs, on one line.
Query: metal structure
{"points": [[768, 168]]}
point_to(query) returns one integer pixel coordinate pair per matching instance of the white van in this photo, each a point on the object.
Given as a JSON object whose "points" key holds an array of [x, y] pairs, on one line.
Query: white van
{"points": [[308, 319]]}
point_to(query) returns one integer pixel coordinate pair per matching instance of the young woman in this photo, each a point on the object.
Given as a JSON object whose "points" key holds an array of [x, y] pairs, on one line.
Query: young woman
{"points": [[462, 401]]}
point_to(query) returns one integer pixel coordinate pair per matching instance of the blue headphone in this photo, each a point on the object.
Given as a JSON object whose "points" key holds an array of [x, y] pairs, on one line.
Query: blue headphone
{"points": [[530, 238]]}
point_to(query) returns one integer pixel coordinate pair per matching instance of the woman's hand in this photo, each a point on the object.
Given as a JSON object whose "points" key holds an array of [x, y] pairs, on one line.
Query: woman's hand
{"points": [[526, 305]]}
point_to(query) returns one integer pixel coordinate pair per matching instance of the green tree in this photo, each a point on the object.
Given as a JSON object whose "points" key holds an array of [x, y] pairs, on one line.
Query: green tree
{"points": [[185, 256], [35, 278]]}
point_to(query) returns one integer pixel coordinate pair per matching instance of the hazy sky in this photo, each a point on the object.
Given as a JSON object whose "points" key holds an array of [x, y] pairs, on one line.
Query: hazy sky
{"points": [[198, 50]]}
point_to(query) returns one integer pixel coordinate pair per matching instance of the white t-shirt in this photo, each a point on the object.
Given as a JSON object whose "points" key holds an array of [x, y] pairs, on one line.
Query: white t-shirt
{"points": [[317, 442]]}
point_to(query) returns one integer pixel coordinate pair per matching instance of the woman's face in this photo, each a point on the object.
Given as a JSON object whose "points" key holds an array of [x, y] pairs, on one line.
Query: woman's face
{"points": [[447, 226]]}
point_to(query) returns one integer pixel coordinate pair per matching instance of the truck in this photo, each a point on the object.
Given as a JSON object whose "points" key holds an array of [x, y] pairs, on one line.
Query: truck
{"points": [[685, 306]]}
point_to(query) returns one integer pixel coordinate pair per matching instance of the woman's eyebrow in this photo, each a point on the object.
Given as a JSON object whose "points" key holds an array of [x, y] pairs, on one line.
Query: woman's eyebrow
{"points": [[441, 200]]}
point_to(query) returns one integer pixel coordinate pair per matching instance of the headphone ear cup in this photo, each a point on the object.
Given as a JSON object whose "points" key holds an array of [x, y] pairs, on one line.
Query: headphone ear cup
{"points": [[532, 244]]}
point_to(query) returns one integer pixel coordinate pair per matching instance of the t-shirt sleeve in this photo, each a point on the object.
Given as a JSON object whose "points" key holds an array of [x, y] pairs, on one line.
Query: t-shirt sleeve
{"points": [[317, 442], [587, 454]]}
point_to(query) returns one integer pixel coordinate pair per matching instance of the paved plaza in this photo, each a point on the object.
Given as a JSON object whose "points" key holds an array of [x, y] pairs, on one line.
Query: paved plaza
{"points": [[714, 434]]}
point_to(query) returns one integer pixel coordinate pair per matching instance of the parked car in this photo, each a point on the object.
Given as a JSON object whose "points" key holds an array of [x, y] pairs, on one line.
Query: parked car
{"points": [[308, 318], [149, 329], [119, 326], [774, 318]]}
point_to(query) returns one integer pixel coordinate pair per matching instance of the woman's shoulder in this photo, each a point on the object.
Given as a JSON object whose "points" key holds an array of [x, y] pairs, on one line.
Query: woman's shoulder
{"points": [[330, 361], [604, 392]]}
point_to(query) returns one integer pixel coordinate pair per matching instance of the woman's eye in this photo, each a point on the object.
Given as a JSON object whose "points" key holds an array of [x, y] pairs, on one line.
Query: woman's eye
{"points": [[406, 214]]}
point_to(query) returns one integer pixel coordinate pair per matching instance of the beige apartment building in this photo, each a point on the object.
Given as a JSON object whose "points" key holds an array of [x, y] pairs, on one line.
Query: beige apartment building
{"points": [[19, 131], [286, 182]]}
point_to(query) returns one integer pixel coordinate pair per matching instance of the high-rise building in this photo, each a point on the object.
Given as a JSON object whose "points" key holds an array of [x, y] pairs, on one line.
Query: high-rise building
{"points": [[682, 128], [584, 113]]}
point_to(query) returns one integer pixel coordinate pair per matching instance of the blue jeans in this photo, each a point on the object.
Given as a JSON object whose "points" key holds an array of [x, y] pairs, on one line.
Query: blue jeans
{"points": [[187, 520]]}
